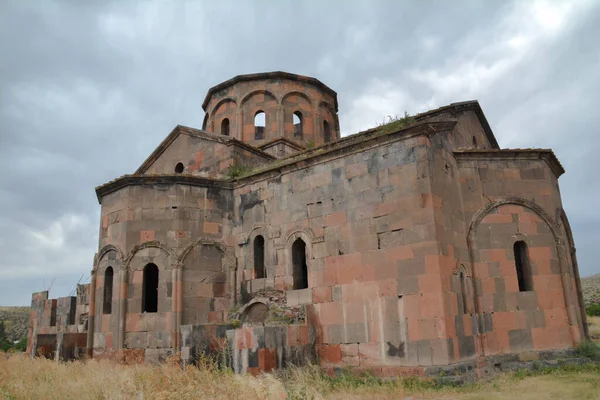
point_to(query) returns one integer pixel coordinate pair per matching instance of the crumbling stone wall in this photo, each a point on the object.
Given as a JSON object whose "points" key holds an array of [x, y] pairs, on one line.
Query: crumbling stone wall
{"points": [[55, 330]]}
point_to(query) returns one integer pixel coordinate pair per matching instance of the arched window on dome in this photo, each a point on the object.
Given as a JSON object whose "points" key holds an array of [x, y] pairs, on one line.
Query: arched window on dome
{"points": [[326, 132], [225, 127], [259, 125], [297, 118]]}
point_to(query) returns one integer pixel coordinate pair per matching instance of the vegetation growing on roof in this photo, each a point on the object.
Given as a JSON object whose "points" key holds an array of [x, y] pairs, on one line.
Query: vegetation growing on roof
{"points": [[395, 123], [237, 170]]}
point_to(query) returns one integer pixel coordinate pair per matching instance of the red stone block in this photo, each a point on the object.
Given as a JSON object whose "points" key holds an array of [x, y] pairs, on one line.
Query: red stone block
{"points": [[556, 317], [493, 254], [505, 320], [430, 283], [321, 294], [132, 322], [388, 288], [336, 219], [497, 219], [330, 313], [215, 316], [369, 354], [267, 359], [540, 253], [211, 228], [431, 305], [146, 236], [400, 253], [329, 353], [549, 299], [427, 329]]}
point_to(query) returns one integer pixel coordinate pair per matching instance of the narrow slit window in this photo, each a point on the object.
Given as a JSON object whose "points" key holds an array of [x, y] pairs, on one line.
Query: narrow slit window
{"points": [[463, 292], [150, 289], [108, 291], [326, 132], [225, 127], [259, 257], [259, 125], [300, 269], [474, 141], [297, 117], [523, 267]]}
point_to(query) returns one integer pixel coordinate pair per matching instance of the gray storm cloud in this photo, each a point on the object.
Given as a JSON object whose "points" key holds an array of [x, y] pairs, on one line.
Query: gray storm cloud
{"points": [[88, 89]]}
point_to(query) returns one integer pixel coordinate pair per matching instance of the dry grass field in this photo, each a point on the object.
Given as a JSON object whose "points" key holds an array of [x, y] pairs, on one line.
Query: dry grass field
{"points": [[24, 378]]}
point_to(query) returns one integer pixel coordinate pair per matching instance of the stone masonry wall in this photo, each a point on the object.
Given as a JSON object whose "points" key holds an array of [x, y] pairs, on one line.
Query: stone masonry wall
{"points": [[185, 231], [202, 155], [367, 220], [278, 99]]}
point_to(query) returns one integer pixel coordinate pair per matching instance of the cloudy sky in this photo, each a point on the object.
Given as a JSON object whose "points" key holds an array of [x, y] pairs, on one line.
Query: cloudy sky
{"points": [[88, 90]]}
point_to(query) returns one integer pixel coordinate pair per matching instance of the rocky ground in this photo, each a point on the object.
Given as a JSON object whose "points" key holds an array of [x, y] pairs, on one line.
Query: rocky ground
{"points": [[590, 287], [16, 321]]}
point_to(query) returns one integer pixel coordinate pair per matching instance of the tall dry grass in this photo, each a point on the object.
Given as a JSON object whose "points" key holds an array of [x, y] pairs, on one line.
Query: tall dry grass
{"points": [[24, 378]]}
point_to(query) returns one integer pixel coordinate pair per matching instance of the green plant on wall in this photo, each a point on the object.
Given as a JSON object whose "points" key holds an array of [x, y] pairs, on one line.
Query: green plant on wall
{"points": [[395, 123], [237, 170]]}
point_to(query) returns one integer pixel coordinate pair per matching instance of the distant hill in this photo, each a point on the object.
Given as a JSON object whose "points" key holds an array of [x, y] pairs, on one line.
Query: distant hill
{"points": [[590, 287], [16, 321]]}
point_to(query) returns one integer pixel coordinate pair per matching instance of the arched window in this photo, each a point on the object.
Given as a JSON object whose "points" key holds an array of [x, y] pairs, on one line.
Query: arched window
{"points": [[474, 141], [522, 266], [297, 117], [463, 292], [259, 125], [108, 291], [326, 132], [150, 289], [225, 127], [259, 257], [179, 168], [300, 269]]}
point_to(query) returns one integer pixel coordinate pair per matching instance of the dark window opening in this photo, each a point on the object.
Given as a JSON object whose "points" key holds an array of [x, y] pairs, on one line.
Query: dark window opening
{"points": [[463, 292], [523, 267], [108, 291], [259, 257], [300, 270], [225, 127], [259, 125], [72, 310], [53, 316], [297, 117], [150, 289], [474, 141], [179, 168], [326, 132]]}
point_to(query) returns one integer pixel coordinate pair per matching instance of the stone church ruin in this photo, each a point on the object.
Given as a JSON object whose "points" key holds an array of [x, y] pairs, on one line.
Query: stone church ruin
{"points": [[265, 236]]}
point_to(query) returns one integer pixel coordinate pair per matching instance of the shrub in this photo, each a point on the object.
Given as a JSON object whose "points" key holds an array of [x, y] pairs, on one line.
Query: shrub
{"points": [[588, 349], [237, 170], [593, 310]]}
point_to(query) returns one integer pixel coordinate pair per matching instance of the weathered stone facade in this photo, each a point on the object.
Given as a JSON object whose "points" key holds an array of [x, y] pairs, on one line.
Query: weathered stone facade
{"points": [[413, 245]]}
